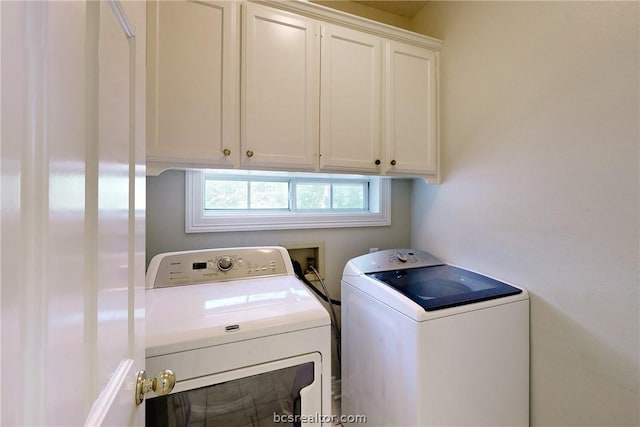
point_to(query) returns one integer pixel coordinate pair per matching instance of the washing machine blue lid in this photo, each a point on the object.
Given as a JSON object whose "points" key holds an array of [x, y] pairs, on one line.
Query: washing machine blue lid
{"points": [[444, 286]]}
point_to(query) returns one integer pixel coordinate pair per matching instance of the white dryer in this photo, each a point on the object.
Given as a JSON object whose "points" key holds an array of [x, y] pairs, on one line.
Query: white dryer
{"points": [[246, 341], [430, 344]]}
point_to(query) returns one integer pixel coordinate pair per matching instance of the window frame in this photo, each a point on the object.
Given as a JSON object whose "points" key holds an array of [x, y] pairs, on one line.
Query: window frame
{"points": [[198, 221]]}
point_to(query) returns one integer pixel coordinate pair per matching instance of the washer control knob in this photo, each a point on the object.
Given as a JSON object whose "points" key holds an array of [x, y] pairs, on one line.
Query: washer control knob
{"points": [[225, 263], [402, 257]]}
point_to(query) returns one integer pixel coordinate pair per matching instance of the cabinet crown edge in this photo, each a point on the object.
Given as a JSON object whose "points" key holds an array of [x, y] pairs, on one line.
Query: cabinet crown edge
{"points": [[334, 16]]}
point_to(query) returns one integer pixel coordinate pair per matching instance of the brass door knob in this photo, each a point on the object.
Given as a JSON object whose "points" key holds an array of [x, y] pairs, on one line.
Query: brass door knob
{"points": [[377, 162], [249, 153], [393, 162], [226, 152], [161, 384]]}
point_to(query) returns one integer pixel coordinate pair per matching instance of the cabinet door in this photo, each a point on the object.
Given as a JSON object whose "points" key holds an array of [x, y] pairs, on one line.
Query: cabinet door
{"points": [[279, 109], [350, 100], [411, 113], [193, 83]]}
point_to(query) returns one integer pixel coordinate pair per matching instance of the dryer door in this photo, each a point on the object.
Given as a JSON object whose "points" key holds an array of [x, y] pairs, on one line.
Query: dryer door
{"points": [[283, 392]]}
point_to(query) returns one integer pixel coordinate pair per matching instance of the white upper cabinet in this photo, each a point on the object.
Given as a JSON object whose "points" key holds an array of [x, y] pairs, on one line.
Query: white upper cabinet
{"points": [[350, 100], [193, 75], [290, 86], [280, 83], [411, 115]]}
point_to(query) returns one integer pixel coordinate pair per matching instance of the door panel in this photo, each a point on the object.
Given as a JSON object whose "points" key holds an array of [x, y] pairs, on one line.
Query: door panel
{"points": [[411, 122], [193, 79], [280, 89], [350, 99], [114, 112], [72, 212]]}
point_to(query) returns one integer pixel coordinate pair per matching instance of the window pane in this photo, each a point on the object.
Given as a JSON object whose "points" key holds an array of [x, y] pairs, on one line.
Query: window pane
{"points": [[223, 194], [269, 195], [220, 201], [348, 196], [313, 196]]}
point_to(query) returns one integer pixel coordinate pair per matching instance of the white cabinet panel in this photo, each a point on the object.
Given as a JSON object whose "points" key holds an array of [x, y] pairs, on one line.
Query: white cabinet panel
{"points": [[350, 100], [309, 89], [411, 111], [279, 118], [193, 87]]}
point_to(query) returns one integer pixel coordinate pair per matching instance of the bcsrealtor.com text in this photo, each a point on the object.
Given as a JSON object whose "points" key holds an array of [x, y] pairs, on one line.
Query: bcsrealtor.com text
{"points": [[319, 418]]}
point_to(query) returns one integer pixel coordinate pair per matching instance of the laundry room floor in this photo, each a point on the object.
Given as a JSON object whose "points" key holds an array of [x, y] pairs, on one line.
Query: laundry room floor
{"points": [[336, 409]]}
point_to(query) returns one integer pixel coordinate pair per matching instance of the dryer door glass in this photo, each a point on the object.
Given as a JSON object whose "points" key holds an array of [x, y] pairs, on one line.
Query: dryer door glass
{"points": [[444, 286], [269, 398]]}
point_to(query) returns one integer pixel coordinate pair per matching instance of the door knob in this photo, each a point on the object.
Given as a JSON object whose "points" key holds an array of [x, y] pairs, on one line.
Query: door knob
{"points": [[393, 162], [249, 153], [226, 152], [161, 384]]}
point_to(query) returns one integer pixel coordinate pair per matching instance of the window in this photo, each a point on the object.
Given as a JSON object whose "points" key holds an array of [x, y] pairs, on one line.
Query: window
{"points": [[250, 200]]}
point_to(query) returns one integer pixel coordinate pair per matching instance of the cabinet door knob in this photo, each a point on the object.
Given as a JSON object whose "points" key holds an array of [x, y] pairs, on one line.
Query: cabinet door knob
{"points": [[226, 152], [393, 162], [249, 153], [377, 162]]}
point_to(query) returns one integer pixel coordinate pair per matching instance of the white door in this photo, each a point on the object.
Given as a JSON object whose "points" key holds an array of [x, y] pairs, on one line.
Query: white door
{"points": [[193, 76], [73, 212], [411, 111], [350, 100], [280, 83]]}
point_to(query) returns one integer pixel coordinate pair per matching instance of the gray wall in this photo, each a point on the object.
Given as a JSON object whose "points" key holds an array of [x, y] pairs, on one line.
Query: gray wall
{"points": [[166, 224], [540, 142]]}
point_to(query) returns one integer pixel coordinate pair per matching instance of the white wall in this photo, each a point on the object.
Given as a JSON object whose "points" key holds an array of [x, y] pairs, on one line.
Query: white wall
{"points": [[366, 12], [540, 155]]}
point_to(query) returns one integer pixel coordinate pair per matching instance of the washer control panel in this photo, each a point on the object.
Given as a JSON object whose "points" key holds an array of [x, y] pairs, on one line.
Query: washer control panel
{"points": [[217, 265], [394, 259]]}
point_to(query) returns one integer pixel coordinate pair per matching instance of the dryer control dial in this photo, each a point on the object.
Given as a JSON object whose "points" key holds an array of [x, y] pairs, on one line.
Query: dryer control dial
{"points": [[225, 263], [402, 256], [217, 265]]}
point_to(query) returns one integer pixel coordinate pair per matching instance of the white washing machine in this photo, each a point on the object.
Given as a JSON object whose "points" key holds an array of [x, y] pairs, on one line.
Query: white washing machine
{"points": [[248, 344], [430, 344]]}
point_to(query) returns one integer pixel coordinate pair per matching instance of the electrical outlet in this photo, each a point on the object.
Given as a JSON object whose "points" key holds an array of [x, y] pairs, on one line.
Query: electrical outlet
{"points": [[303, 251]]}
